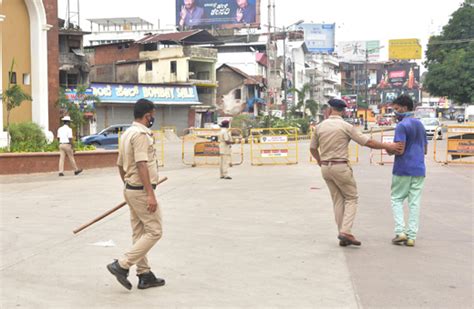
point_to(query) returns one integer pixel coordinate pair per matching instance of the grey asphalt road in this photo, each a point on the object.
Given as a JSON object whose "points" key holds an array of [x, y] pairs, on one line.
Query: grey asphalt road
{"points": [[265, 239]]}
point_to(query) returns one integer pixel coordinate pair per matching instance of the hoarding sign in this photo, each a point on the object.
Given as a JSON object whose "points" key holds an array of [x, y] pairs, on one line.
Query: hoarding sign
{"points": [[72, 96], [222, 13], [355, 50], [319, 38], [274, 153], [401, 76], [130, 93], [404, 49], [274, 139], [206, 149]]}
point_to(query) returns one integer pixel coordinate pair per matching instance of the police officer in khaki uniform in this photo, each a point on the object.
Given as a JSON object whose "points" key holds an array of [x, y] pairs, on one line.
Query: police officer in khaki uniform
{"points": [[138, 168], [329, 146], [225, 150]]}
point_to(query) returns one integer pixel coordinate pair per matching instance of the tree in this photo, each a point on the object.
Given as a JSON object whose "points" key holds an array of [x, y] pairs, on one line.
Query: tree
{"points": [[13, 96], [303, 103], [76, 107], [450, 58]]}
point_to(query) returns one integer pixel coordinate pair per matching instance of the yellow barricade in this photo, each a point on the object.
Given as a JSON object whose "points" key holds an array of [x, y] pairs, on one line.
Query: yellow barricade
{"points": [[381, 156], [459, 144], [159, 146], [159, 138], [169, 128], [353, 150], [274, 146], [200, 147]]}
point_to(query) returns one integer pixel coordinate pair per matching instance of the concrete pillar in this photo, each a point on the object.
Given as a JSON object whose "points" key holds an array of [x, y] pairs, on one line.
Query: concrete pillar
{"points": [[3, 135]]}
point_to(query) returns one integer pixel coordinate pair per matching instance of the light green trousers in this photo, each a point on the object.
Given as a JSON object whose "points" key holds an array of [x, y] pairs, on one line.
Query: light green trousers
{"points": [[407, 187]]}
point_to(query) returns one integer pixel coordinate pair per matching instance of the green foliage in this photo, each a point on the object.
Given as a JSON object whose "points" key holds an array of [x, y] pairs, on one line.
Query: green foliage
{"points": [[74, 110], [13, 96], [27, 137], [245, 123], [450, 58], [304, 104], [274, 122]]}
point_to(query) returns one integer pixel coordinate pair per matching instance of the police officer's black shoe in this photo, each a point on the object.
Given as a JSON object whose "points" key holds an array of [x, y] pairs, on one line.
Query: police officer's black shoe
{"points": [[61, 174], [227, 177], [148, 280], [78, 172], [120, 273]]}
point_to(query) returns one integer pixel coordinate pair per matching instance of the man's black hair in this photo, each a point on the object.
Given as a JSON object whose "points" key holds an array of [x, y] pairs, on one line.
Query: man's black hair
{"points": [[142, 107], [404, 100]]}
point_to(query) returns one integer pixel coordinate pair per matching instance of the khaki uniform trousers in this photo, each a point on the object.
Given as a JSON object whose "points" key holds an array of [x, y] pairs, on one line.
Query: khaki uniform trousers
{"points": [[146, 231], [224, 164], [343, 188], [66, 150]]}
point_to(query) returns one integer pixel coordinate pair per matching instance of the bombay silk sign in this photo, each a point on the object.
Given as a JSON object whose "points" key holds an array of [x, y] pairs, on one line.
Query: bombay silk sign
{"points": [[157, 93]]}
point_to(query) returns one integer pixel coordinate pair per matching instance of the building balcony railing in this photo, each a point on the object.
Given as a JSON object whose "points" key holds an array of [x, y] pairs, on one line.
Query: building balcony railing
{"points": [[70, 58], [200, 52]]}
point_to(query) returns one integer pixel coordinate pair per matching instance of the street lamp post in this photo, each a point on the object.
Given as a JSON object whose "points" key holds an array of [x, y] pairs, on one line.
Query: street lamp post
{"points": [[285, 83], [367, 51]]}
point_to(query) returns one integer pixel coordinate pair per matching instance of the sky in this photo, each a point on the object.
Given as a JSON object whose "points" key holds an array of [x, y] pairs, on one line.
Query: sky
{"points": [[355, 19]]}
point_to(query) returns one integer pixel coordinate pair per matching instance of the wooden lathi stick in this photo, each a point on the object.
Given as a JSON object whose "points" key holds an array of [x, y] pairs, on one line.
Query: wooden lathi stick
{"points": [[107, 213]]}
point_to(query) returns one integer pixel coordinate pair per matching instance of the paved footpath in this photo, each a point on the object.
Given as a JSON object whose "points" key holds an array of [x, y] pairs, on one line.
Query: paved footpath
{"points": [[265, 239]]}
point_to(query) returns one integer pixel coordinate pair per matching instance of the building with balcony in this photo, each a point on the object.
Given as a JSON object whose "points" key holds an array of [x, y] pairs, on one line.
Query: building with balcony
{"points": [[73, 64]]}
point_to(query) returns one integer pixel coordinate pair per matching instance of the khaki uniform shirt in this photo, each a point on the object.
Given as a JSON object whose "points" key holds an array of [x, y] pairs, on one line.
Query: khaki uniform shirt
{"points": [[224, 136], [137, 145], [332, 137]]}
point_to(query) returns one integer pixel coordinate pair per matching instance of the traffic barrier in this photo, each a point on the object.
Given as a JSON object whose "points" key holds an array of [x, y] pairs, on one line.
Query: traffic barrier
{"points": [[381, 156], [159, 145], [200, 147], [273, 146], [459, 143], [353, 150]]}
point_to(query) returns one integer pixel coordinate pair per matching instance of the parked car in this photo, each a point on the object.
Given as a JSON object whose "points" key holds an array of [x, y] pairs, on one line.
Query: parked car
{"points": [[460, 118], [107, 138], [432, 127], [384, 122]]}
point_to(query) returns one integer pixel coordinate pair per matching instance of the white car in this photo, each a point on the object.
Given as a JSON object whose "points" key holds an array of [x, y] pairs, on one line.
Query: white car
{"points": [[432, 127]]}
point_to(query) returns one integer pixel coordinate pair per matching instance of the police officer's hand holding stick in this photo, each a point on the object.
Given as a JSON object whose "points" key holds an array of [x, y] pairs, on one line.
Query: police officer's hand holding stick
{"points": [[107, 213]]}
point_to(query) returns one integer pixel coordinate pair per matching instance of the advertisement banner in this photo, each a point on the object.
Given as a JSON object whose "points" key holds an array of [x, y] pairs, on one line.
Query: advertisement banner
{"points": [[72, 96], [206, 149], [274, 139], [192, 14], [399, 76], [157, 93], [274, 153], [461, 146], [349, 51], [404, 49], [319, 38]]}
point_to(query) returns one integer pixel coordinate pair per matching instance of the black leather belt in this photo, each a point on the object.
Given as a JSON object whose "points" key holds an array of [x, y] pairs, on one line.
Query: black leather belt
{"points": [[130, 187]]}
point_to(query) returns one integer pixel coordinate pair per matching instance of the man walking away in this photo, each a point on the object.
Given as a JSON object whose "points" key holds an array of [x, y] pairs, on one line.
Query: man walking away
{"points": [[329, 146], [138, 168], [225, 151], [409, 170], [66, 146]]}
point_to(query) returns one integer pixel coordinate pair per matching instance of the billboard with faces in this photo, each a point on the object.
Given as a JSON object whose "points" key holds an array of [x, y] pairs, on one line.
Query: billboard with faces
{"points": [[199, 14]]}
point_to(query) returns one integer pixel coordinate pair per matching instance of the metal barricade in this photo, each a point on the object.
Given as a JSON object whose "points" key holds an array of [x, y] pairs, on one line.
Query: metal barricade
{"points": [[459, 144], [159, 145], [353, 150], [274, 146], [200, 147], [169, 128], [381, 156]]}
